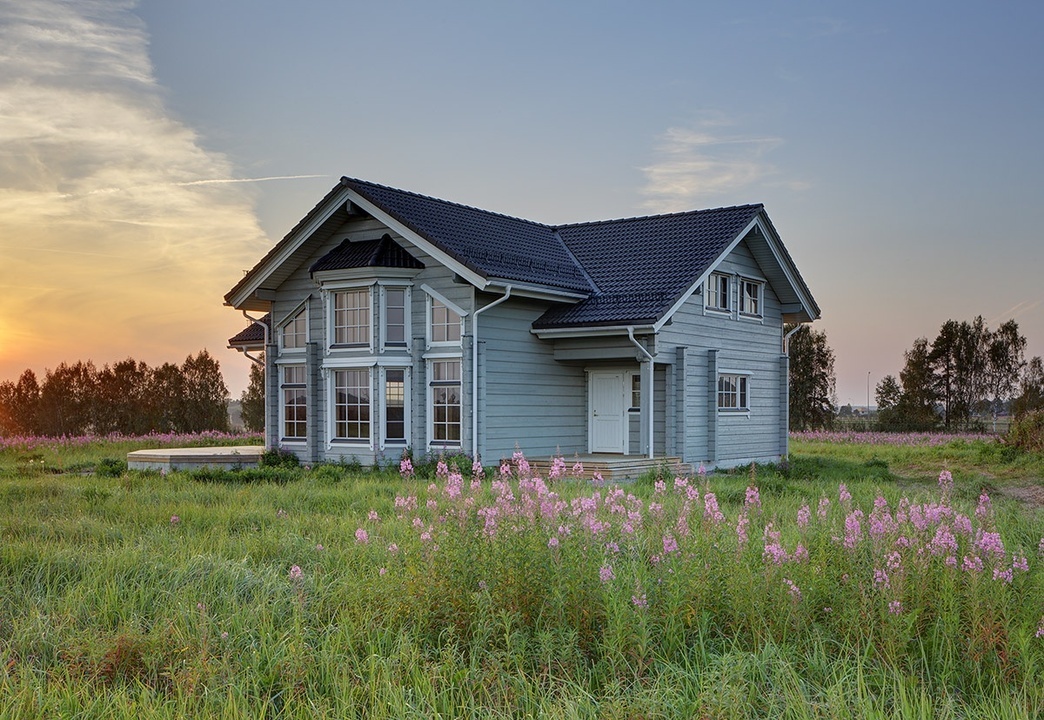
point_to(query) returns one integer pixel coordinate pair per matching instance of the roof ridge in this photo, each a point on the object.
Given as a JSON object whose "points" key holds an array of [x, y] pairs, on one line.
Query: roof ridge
{"points": [[345, 180], [659, 216]]}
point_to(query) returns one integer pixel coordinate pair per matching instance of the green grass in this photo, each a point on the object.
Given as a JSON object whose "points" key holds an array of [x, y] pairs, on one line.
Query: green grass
{"points": [[111, 608]]}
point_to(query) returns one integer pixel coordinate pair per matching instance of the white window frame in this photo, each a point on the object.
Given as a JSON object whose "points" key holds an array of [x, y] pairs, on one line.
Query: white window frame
{"points": [[298, 385], [333, 421], [758, 311], [741, 382], [433, 442], [299, 314], [331, 316], [712, 293], [433, 297], [407, 401], [407, 317]]}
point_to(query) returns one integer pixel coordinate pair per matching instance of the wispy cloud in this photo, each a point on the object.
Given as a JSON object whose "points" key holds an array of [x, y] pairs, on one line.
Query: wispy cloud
{"points": [[697, 164], [1019, 308], [107, 196]]}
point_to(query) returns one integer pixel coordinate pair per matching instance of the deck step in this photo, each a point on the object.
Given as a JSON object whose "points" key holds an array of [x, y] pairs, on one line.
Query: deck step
{"points": [[619, 469]]}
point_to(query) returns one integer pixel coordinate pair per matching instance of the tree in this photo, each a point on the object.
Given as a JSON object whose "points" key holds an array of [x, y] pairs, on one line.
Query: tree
{"points": [[1031, 395], [253, 398], [811, 380], [916, 407], [1006, 354], [66, 400], [166, 398], [121, 399], [889, 394], [206, 396]]}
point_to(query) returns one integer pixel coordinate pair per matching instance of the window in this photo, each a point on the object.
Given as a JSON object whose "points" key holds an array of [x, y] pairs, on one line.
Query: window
{"points": [[636, 392], [750, 297], [445, 324], [395, 316], [295, 403], [718, 292], [294, 332], [445, 402], [732, 392], [351, 317], [395, 406], [352, 404]]}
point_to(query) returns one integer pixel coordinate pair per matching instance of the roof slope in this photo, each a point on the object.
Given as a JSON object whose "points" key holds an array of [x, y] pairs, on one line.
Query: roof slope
{"points": [[643, 265], [494, 245]]}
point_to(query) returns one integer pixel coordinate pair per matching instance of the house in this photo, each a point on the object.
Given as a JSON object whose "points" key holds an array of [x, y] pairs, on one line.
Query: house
{"points": [[395, 320]]}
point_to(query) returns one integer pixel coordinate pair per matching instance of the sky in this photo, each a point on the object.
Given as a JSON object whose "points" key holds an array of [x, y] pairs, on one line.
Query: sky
{"points": [[152, 151]]}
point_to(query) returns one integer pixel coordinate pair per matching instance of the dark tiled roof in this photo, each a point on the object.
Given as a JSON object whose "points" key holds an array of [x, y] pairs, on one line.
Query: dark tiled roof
{"points": [[371, 253], [642, 265], [253, 335], [491, 244]]}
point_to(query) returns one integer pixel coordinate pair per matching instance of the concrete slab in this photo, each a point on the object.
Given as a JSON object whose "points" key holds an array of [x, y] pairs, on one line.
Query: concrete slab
{"points": [[222, 458]]}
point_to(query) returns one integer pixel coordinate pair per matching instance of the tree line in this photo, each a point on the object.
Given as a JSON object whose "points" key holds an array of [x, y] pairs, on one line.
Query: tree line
{"points": [[128, 397], [964, 378]]}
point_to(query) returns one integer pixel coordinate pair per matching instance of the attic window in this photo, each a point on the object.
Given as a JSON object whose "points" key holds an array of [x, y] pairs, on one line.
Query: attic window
{"points": [[294, 332], [718, 292], [750, 297]]}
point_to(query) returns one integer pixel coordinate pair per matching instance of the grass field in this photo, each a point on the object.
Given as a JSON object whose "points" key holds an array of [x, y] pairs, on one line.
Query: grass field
{"points": [[857, 580]]}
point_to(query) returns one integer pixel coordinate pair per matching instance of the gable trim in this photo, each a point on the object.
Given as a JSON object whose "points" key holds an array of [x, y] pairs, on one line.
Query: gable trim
{"points": [[282, 252], [442, 299]]}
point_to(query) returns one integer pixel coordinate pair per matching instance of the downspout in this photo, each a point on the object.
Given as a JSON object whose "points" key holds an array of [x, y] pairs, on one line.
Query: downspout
{"points": [[474, 367], [786, 338], [646, 391], [264, 326]]}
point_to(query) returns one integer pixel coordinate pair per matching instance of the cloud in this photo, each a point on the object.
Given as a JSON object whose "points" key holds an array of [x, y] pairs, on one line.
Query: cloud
{"points": [[111, 211], [696, 164]]}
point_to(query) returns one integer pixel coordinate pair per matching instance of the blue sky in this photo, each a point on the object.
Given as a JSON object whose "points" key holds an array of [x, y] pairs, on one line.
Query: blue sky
{"points": [[896, 147]]}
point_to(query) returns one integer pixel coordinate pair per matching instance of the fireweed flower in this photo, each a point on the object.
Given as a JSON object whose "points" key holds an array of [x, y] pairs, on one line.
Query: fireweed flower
{"points": [[553, 542], [945, 482], [406, 468], [670, 545], [373, 516], [984, 507], [606, 574], [804, 516], [174, 520], [842, 494], [362, 537], [296, 573], [753, 498], [895, 607], [793, 589], [824, 506]]}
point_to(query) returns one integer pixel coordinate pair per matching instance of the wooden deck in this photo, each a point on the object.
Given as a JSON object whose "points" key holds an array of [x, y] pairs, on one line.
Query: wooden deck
{"points": [[225, 458], [619, 468]]}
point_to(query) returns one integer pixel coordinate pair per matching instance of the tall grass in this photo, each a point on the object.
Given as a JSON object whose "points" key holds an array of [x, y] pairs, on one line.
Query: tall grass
{"points": [[325, 593]]}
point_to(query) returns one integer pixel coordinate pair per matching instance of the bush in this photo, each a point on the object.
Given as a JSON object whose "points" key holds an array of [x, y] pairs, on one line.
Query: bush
{"points": [[110, 467], [1027, 433], [278, 457]]}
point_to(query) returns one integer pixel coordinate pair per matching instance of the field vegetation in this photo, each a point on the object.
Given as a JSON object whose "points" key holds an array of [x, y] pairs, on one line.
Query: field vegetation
{"points": [[859, 579]]}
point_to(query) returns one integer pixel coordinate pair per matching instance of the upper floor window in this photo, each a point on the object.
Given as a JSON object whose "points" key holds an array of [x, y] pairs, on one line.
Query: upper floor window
{"points": [[294, 332], [445, 324], [718, 292], [732, 392], [351, 317], [395, 314], [750, 297]]}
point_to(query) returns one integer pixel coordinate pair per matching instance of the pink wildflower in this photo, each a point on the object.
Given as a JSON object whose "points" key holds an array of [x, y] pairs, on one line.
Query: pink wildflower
{"points": [[476, 468], [597, 480], [702, 472], [373, 516], [320, 547], [804, 516], [640, 601], [406, 468], [710, 508], [606, 574], [795, 592], [670, 545], [945, 481], [174, 520], [824, 506], [361, 536], [578, 469], [1040, 628], [741, 529], [553, 542], [441, 470], [753, 498], [982, 511], [895, 607], [296, 573], [842, 494], [393, 548]]}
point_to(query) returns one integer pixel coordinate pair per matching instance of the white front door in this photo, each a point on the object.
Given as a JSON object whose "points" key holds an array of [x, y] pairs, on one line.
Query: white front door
{"points": [[607, 412]]}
